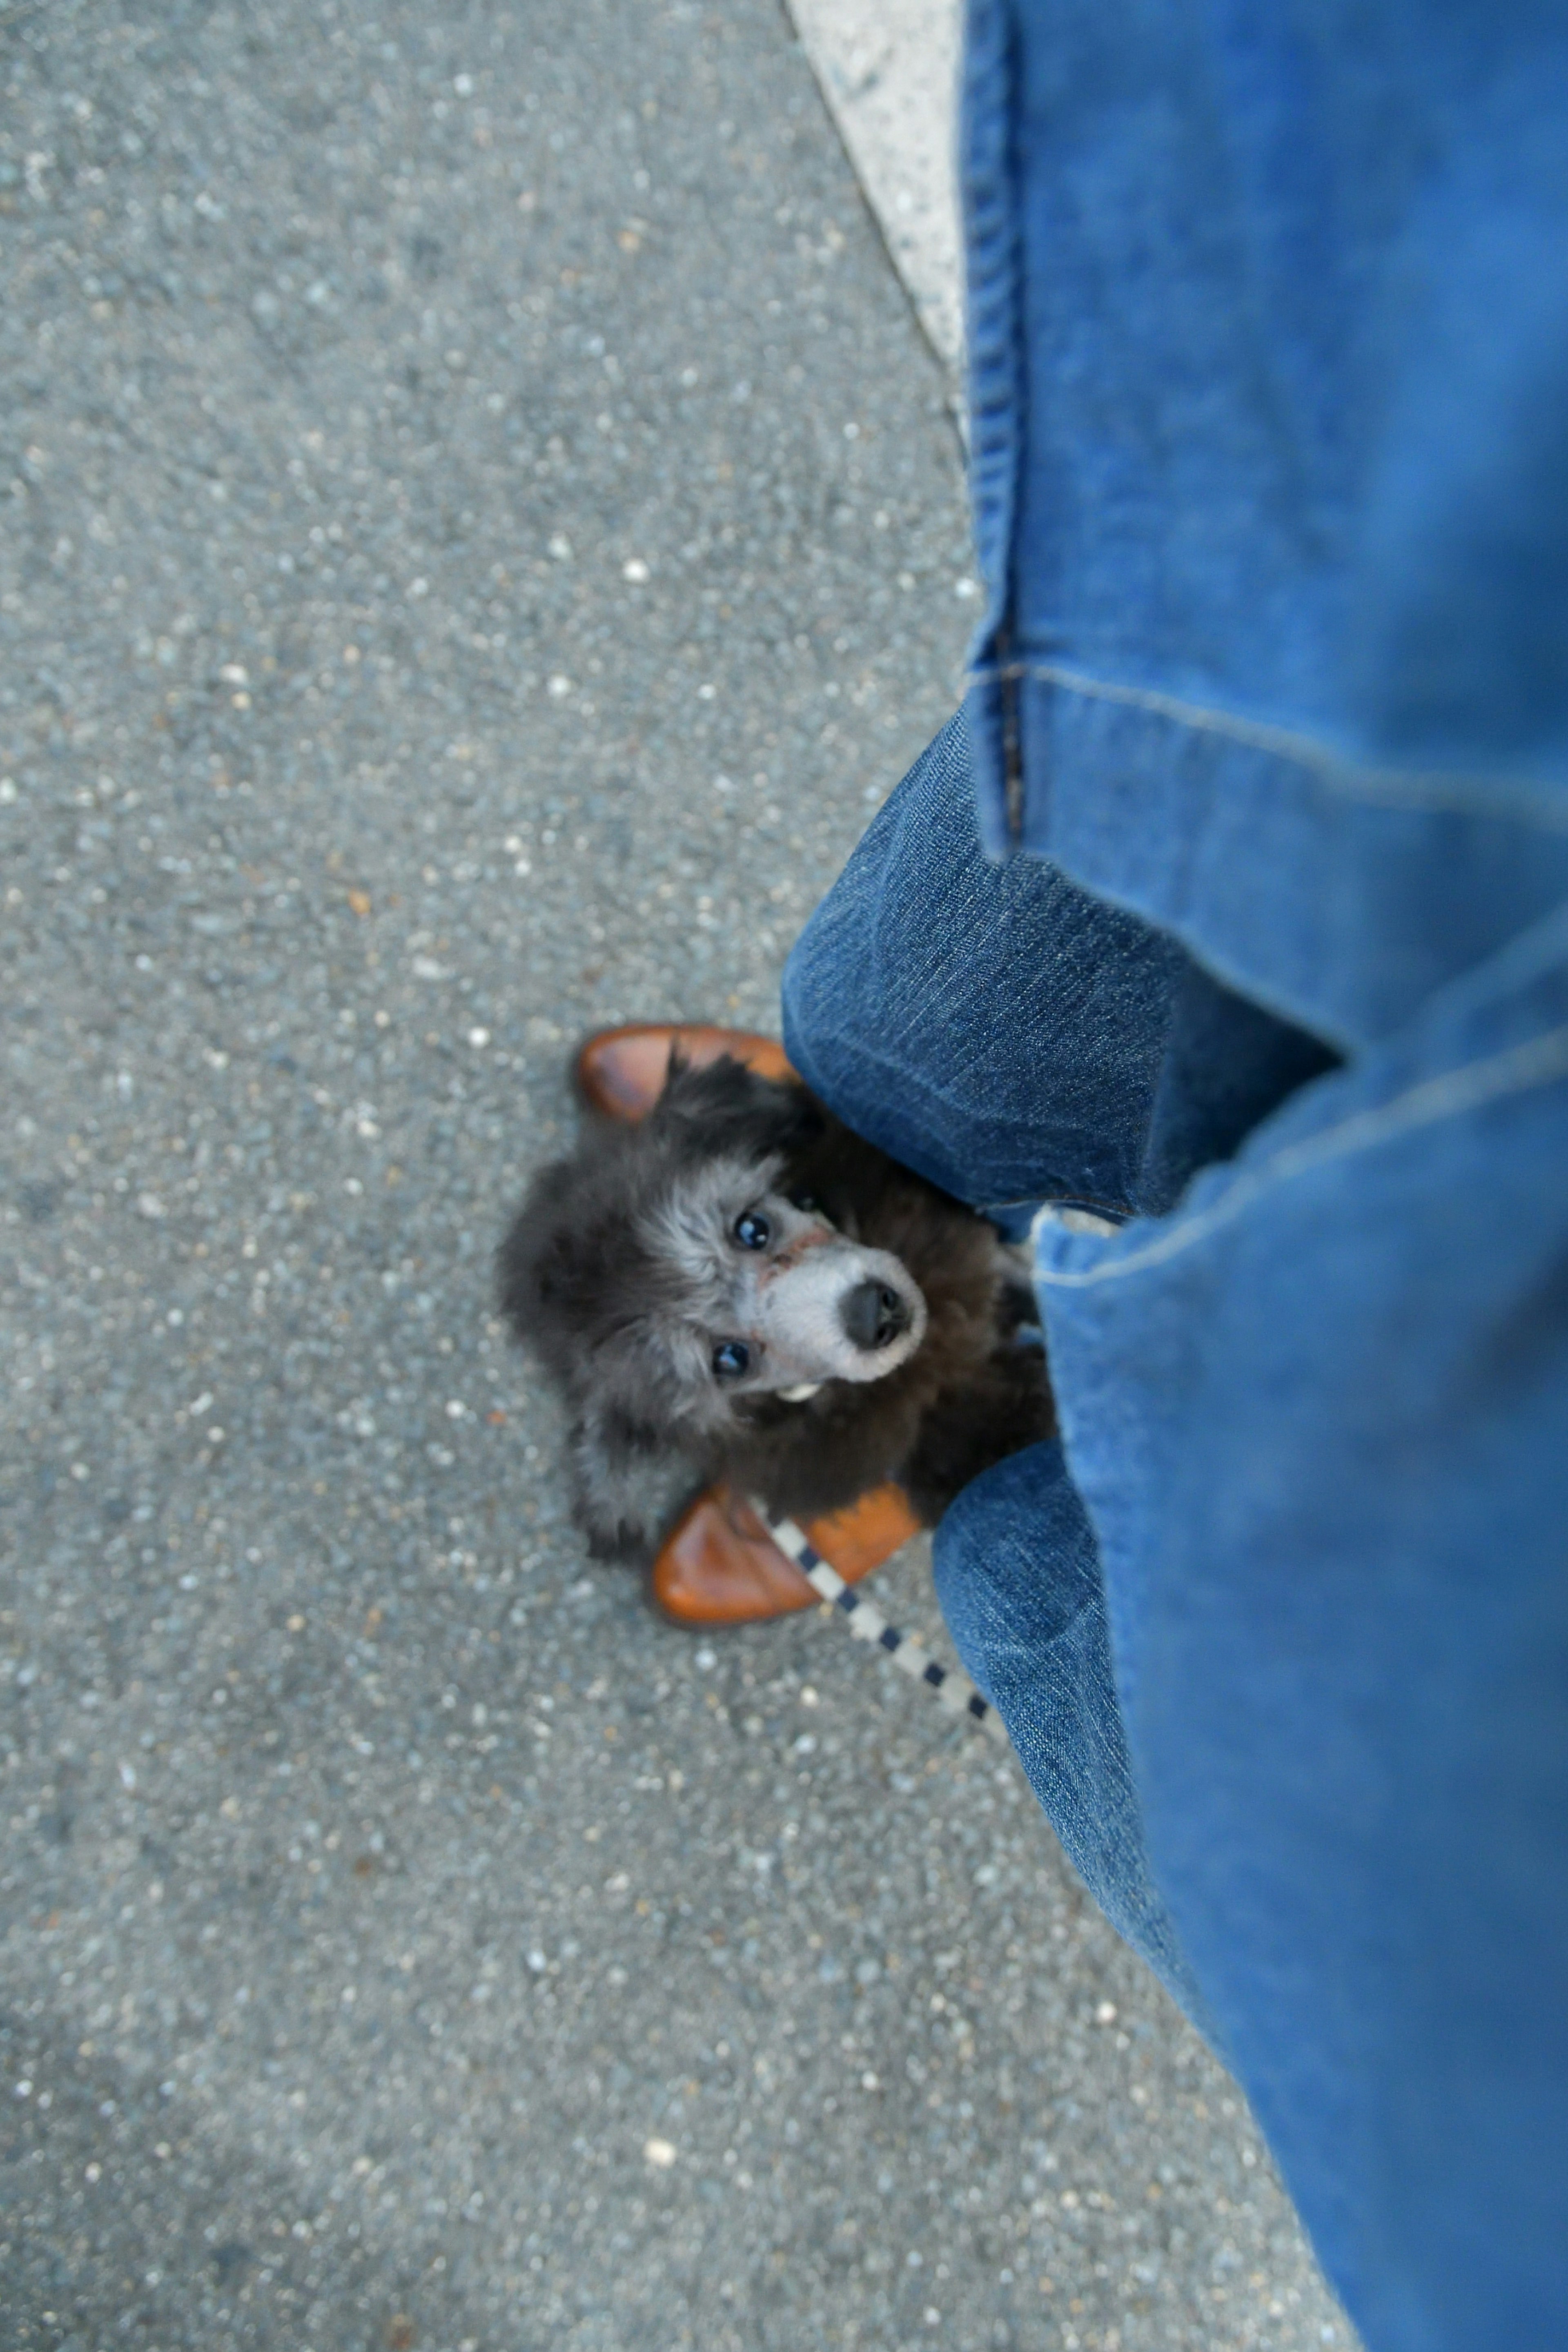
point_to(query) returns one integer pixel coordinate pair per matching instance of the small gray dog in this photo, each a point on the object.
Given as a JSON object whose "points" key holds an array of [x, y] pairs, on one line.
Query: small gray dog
{"points": [[741, 1281]]}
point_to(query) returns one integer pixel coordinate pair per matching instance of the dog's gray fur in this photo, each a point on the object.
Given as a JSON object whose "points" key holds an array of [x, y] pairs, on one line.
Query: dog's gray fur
{"points": [[874, 1316]]}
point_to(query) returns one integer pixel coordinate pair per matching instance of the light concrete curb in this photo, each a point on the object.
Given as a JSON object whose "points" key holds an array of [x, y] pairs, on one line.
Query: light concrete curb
{"points": [[888, 70]]}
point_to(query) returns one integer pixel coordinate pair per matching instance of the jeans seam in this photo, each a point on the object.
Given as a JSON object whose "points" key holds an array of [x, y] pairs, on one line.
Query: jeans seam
{"points": [[1536, 1062], [1433, 789]]}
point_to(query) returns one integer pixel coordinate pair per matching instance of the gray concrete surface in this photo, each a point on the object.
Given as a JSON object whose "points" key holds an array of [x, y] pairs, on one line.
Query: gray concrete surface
{"points": [[481, 529], [889, 72]]}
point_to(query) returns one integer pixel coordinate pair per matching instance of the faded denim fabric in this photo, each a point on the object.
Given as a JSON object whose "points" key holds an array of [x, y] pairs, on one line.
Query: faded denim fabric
{"points": [[1138, 1070], [1268, 337], [1041, 1649], [1269, 323], [1287, 1659]]}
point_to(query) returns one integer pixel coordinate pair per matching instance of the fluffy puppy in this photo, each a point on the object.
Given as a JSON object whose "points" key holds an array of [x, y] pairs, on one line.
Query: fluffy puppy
{"points": [[739, 1280]]}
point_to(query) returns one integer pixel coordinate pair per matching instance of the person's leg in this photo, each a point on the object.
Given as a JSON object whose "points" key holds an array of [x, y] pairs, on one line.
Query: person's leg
{"points": [[1007, 1035], [1016, 1040], [1019, 1583], [989, 1025]]}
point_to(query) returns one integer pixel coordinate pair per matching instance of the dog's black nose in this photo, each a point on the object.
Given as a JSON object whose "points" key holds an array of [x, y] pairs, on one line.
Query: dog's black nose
{"points": [[873, 1316]]}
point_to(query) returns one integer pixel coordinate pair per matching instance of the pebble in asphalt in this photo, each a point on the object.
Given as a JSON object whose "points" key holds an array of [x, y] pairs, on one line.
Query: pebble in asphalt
{"points": [[482, 531]]}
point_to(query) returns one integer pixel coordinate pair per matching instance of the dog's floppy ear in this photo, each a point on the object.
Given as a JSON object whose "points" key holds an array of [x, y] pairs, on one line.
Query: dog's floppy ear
{"points": [[724, 1107]]}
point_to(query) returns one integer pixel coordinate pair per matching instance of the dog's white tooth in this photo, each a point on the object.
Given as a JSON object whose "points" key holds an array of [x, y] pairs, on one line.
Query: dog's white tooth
{"points": [[802, 1394]]}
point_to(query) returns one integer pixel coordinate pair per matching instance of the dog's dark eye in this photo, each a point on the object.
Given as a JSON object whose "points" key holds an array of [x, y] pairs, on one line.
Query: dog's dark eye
{"points": [[752, 1231], [731, 1359], [806, 1203]]}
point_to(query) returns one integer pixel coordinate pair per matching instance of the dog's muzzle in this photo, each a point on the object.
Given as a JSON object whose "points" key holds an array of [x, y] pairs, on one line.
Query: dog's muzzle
{"points": [[840, 1313]]}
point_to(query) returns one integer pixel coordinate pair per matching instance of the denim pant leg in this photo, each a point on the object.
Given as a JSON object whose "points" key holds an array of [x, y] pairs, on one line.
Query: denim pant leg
{"points": [[1019, 1583], [992, 1026], [1005, 1035], [1010, 1037]]}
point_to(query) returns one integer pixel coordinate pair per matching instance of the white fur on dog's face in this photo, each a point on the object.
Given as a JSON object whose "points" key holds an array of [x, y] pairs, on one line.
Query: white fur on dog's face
{"points": [[784, 1302], [799, 1311]]}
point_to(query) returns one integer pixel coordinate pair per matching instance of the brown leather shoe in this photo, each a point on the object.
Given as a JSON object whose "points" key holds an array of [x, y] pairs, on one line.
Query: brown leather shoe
{"points": [[721, 1567], [621, 1072]]}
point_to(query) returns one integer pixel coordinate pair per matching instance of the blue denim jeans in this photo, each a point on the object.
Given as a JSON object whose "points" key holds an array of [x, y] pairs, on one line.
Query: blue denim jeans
{"points": [[1021, 1043], [1281, 1630], [1267, 713]]}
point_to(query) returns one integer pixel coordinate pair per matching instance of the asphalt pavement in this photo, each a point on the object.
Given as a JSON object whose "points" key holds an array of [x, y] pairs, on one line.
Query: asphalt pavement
{"points": [[483, 528]]}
